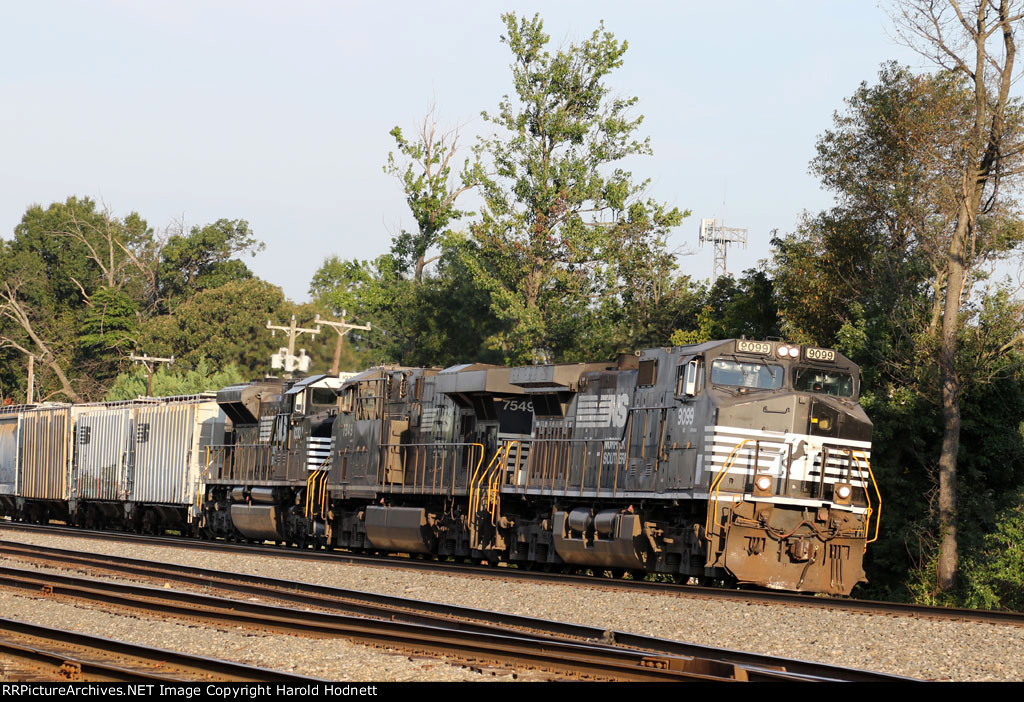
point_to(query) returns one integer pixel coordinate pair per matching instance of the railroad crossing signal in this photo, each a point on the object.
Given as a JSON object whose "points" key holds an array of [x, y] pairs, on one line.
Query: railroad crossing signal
{"points": [[285, 357]]}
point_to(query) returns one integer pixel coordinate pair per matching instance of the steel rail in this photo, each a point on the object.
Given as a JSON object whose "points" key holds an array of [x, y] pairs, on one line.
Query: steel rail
{"points": [[73, 656], [564, 657], [363, 603], [1007, 618]]}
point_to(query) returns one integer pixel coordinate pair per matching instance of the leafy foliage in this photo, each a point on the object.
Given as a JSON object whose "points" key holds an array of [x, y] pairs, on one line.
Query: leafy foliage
{"points": [[110, 323], [168, 382], [430, 192], [205, 258], [226, 324], [869, 277], [558, 231]]}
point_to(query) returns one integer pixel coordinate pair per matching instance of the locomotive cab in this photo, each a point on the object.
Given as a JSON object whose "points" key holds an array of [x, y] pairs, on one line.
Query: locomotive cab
{"points": [[260, 479], [791, 499]]}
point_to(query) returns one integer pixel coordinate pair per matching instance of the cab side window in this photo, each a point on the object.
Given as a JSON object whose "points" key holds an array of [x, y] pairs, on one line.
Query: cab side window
{"points": [[690, 377], [348, 400]]}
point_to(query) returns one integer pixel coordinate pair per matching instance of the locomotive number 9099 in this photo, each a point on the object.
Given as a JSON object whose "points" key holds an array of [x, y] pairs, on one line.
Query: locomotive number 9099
{"points": [[761, 347], [814, 354]]}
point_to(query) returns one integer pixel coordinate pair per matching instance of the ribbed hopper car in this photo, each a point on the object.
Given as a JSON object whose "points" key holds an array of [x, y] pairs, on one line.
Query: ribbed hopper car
{"points": [[136, 464]]}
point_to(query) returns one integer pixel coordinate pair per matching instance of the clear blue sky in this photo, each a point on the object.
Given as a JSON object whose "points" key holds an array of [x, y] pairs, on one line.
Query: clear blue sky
{"points": [[279, 113]]}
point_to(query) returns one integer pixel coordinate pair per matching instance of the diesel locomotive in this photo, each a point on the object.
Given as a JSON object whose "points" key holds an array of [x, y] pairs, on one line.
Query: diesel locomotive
{"points": [[739, 461]]}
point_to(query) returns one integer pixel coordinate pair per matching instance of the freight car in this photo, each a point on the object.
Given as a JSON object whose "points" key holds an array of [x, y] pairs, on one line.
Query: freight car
{"points": [[133, 465], [740, 461]]}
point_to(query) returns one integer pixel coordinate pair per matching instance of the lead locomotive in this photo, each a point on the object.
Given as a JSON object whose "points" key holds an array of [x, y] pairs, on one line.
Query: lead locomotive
{"points": [[738, 461]]}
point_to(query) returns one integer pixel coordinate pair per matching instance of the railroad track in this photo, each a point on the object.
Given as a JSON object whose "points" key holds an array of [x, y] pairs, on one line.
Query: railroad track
{"points": [[374, 605], [36, 653], [563, 658], [747, 596]]}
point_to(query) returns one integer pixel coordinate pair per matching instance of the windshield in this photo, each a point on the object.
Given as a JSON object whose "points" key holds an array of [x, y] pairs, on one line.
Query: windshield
{"points": [[323, 396], [746, 374], [823, 382]]}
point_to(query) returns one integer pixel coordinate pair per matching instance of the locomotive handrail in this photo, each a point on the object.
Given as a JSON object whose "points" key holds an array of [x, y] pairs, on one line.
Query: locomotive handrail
{"points": [[474, 491], [538, 459], [316, 483], [201, 486], [444, 447], [867, 496], [492, 485], [309, 489], [255, 451], [716, 485]]}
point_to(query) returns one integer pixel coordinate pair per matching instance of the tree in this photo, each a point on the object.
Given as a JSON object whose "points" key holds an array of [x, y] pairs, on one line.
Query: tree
{"points": [[71, 274], [441, 320], [430, 192], [977, 42], [374, 291], [226, 324], [168, 381], [558, 218], [205, 258], [873, 275]]}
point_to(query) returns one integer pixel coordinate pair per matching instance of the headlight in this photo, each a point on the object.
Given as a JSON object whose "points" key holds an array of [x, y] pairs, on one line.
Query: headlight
{"points": [[843, 493], [763, 485], [786, 351]]}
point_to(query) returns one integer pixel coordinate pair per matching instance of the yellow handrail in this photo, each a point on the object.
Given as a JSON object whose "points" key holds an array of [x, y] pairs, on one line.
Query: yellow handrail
{"points": [[309, 490], [200, 487], [867, 496], [715, 486], [316, 483], [474, 494], [323, 495], [469, 485], [493, 484]]}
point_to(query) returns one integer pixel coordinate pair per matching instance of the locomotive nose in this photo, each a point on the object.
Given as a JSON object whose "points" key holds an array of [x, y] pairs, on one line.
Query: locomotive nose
{"points": [[799, 413]]}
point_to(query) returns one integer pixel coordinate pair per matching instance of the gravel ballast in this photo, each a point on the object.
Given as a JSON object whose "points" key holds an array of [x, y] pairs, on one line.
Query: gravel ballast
{"points": [[920, 648]]}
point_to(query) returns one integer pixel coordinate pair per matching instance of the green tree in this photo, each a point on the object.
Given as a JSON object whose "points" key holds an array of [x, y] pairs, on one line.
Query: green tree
{"points": [[110, 322], [424, 169], [71, 274], [204, 258], [560, 220], [872, 277], [977, 45], [169, 382], [374, 292], [439, 321], [225, 324]]}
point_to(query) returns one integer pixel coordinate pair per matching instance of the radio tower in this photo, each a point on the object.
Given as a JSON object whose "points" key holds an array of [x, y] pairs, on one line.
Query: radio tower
{"points": [[721, 236]]}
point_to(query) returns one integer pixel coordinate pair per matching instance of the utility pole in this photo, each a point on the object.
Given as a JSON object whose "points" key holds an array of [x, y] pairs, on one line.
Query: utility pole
{"points": [[342, 328], [721, 236], [286, 358], [149, 361]]}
